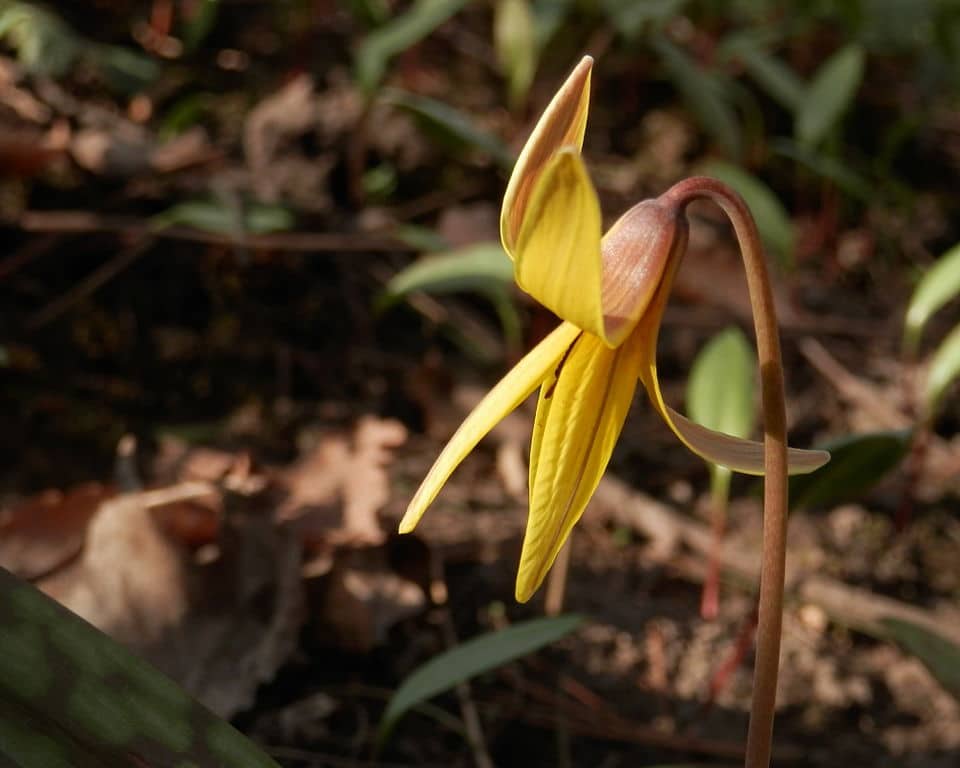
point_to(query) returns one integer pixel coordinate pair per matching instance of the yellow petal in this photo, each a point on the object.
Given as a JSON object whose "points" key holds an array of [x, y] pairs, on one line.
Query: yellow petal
{"points": [[579, 418], [561, 125], [744, 456], [557, 257], [512, 390]]}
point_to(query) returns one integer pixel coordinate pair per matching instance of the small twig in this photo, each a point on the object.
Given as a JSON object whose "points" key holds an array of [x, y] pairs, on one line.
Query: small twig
{"points": [[90, 284], [468, 709], [733, 660], [850, 387], [85, 222]]}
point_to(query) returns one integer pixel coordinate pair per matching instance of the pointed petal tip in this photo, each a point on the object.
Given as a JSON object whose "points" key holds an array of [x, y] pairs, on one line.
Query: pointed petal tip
{"points": [[408, 523], [524, 589]]}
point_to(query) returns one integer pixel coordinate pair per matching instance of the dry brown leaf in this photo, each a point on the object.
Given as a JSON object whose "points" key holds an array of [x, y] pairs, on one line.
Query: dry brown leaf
{"points": [[221, 628], [44, 532], [337, 489], [131, 579]]}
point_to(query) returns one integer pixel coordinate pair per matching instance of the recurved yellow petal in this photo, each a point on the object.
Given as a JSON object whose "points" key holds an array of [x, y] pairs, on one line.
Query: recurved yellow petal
{"points": [[511, 390], [744, 456], [557, 258], [579, 417], [561, 125]]}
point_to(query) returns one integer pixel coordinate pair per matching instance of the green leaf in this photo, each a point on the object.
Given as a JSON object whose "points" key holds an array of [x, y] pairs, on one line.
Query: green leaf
{"points": [[456, 127], [939, 285], [397, 35], [942, 371], [720, 390], [782, 84], [469, 659], [479, 267], [514, 40], [771, 216], [632, 17], [123, 70], [218, 216], [939, 655], [200, 23], [705, 93], [830, 94], [548, 17], [44, 43], [419, 238], [857, 463], [71, 697], [828, 167]]}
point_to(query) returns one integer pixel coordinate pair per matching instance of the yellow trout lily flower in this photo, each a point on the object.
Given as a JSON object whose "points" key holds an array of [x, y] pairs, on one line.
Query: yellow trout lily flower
{"points": [[611, 291]]}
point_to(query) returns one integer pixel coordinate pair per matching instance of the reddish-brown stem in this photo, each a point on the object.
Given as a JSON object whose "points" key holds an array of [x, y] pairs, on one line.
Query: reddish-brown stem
{"points": [[772, 571]]}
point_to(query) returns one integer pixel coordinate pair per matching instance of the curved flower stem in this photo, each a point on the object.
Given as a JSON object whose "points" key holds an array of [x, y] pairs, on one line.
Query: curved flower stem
{"points": [[770, 610]]}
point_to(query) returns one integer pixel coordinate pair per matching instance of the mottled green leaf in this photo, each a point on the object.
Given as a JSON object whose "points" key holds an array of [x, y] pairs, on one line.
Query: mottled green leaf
{"points": [[939, 285], [830, 94], [451, 124], [939, 655], [72, 697], [857, 463], [397, 35], [704, 92], [942, 371], [469, 659], [771, 216]]}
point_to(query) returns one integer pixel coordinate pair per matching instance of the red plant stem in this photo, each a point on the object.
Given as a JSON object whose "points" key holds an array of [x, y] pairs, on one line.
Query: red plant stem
{"points": [[733, 660], [772, 570], [710, 597]]}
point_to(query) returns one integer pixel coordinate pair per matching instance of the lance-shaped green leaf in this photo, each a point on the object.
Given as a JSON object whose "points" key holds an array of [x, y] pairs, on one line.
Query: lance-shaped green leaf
{"points": [[939, 655], [942, 371], [223, 217], [480, 267], [829, 94], [71, 697], [397, 35], [472, 658], [782, 84], [857, 463], [632, 17], [720, 395], [828, 167], [720, 390], [939, 285], [450, 124], [44, 43], [704, 92], [772, 218], [514, 40]]}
